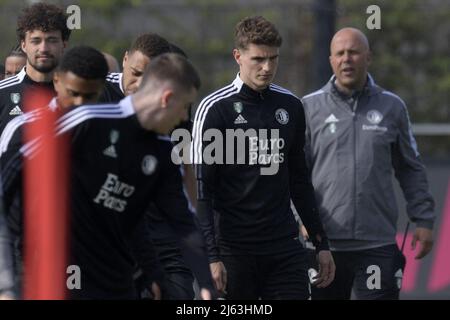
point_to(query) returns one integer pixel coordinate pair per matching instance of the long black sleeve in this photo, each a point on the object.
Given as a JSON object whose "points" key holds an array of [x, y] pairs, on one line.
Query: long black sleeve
{"points": [[171, 200], [205, 212], [205, 174], [302, 191], [145, 253]]}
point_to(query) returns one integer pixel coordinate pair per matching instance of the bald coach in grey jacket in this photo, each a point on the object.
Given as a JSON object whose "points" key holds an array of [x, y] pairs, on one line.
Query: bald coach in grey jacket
{"points": [[358, 134]]}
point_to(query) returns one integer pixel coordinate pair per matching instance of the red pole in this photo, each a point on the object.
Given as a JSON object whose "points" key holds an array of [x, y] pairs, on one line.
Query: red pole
{"points": [[45, 205]]}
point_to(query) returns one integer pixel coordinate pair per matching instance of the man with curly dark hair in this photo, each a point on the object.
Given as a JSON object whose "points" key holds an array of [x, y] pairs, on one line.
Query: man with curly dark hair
{"points": [[43, 34], [78, 79], [102, 228]]}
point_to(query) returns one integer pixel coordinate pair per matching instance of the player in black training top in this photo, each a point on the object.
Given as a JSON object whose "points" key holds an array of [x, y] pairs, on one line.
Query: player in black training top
{"points": [[178, 284], [257, 241], [120, 165], [43, 35], [79, 79]]}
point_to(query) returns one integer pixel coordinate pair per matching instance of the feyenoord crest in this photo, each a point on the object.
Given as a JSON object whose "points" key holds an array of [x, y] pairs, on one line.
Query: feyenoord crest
{"points": [[374, 116], [149, 163], [15, 97], [238, 107], [114, 136], [282, 116]]}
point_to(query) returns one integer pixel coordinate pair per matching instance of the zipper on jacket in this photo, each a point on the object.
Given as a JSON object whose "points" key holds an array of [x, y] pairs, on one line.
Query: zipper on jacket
{"points": [[355, 105]]}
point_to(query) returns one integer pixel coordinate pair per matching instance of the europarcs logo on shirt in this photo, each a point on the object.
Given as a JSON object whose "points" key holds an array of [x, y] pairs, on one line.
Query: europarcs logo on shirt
{"points": [[114, 194], [262, 147]]}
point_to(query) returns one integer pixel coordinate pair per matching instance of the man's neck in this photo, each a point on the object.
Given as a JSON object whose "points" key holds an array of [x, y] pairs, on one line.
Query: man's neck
{"points": [[251, 86], [38, 76], [347, 91], [146, 115]]}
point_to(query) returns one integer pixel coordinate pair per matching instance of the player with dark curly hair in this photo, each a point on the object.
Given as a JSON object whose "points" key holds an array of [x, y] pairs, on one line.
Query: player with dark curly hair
{"points": [[78, 79], [43, 35], [102, 228]]}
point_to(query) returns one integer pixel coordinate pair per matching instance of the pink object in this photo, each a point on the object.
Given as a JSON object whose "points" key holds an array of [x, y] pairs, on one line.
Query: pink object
{"points": [[412, 265], [440, 271]]}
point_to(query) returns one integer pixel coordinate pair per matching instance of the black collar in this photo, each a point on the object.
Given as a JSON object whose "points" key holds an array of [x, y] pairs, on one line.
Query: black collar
{"points": [[253, 94], [30, 81]]}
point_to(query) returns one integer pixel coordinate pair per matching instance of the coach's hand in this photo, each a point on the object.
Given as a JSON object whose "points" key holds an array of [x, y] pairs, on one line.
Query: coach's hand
{"points": [[219, 275], [425, 237], [327, 269], [156, 291]]}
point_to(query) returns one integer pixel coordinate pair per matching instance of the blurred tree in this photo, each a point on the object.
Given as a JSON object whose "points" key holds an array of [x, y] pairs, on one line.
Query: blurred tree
{"points": [[411, 51]]}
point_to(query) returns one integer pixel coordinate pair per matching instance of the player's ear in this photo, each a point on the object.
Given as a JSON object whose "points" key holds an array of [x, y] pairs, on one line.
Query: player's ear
{"points": [[165, 97], [55, 78], [125, 59], [237, 56]]}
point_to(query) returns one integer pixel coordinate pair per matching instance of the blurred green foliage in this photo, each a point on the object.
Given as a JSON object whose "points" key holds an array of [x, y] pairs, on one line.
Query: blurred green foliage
{"points": [[411, 54]]}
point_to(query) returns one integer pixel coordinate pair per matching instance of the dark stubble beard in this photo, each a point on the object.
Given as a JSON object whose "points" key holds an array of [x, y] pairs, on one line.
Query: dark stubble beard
{"points": [[44, 68]]}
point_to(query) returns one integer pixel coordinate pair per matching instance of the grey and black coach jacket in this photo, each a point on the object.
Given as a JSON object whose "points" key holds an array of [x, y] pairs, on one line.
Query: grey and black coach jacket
{"points": [[353, 146]]}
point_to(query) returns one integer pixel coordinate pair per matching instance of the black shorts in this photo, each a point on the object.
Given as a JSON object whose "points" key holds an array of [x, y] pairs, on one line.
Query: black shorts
{"points": [[372, 274], [178, 281], [280, 276]]}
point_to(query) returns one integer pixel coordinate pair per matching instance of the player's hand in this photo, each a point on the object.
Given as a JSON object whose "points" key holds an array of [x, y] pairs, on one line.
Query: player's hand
{"points": [[205, 294], [156, 291], [327, 269], [425, 237], [219, 275], [304, 233]]}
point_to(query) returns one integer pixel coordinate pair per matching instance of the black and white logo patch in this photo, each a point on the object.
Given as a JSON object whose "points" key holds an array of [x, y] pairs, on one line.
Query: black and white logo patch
{"points": [[149, 164], [114, 136], [282, 116], [111, 150], [238, 106], [374, 116], [15, 97]]}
